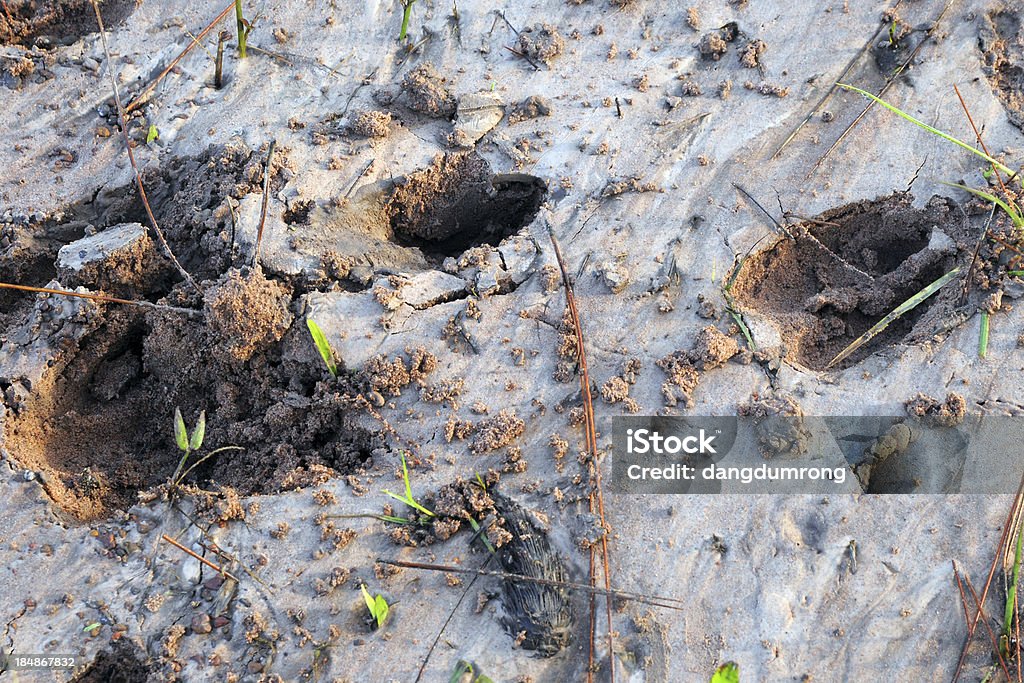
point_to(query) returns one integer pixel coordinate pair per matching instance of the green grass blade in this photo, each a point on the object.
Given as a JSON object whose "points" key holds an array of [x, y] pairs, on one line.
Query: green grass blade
{"points": [[1011, 594], [405, 477], [367, 598], [931, 129], [410, 502], [896, 313], [983, 336], [393, 519], [1012, 212], [483, 537], [322, 345]]}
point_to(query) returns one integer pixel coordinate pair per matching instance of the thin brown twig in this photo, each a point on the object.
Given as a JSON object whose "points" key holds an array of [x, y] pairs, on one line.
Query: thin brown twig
{"points": [[263, 205], [988, 627], [1011, 514], [977, 135], [142, 96], [101, 297], [525, 56], [963, 596], [131, 154], [588, 411], [211, 565]]}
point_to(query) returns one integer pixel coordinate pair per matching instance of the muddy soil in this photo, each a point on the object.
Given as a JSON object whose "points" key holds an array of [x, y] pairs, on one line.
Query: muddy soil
{"points": [[248, 367], [48, 24], [843, 271]]}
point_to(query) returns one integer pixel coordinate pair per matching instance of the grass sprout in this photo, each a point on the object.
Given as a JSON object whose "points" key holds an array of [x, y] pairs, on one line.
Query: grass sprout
{"points": [[407, 498], [983, 335], [466, 672], [243, 27], [377, 606], [322, 346], [1011, 597], [931, 129], [894, 315]]}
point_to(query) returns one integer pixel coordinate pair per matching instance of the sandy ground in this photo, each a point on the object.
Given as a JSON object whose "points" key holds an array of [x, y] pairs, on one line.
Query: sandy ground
{"points": [[768, 580]]}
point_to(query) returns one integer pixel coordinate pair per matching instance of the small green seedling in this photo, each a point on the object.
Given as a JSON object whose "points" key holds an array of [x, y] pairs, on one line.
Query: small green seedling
{"points": [[377, 606], [406, 13], [190, 443], [153, 134], [322, 345], [186, 442], [244, 27], [407, 498], [466, 672], [727, 673]]}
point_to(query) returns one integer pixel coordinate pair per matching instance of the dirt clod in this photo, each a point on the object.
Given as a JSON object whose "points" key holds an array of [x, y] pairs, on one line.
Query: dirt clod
{"points": [[428, 93], [497, 431], [948, 413], [532, 107], [541, 41], [248, 311]]}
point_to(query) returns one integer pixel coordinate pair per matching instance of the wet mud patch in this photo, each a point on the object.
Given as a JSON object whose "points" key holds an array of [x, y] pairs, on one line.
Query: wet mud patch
{"points": [[848, 268], [97, 427], [51, 23], [458, 202], [122, 663], [1002, 45]]}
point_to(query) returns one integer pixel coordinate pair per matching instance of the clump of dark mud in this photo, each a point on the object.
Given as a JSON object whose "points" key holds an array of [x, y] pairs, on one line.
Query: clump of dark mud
{"points": [[1002, 43], [711, 349], [948, 413], [458, 202], [249, 312], [122, 663], [848, 268], [51, 23], [716, 43]]}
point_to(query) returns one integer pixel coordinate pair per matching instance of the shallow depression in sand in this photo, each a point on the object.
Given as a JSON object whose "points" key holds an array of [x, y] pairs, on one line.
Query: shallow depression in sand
{"points": [[843, 271]]}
